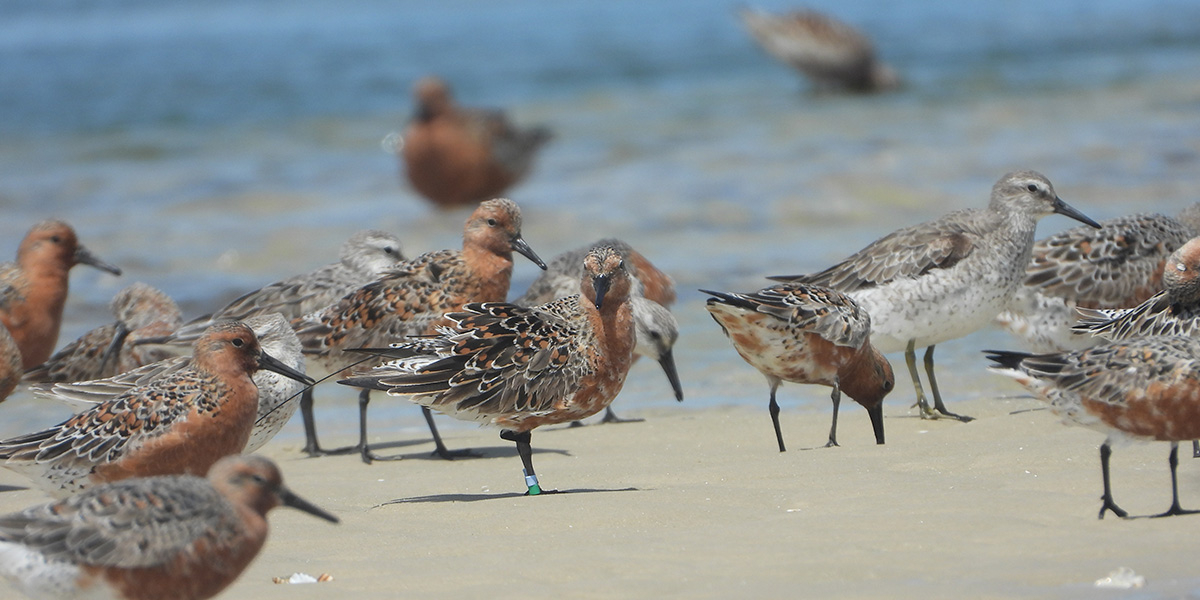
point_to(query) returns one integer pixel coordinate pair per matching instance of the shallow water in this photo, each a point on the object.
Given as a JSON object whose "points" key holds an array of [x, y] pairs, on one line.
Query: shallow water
{"points": [[210, 149]]}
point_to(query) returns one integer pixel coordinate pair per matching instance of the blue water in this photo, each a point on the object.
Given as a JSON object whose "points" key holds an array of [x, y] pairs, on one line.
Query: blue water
{"points": [[210, 148], [119, 65]]}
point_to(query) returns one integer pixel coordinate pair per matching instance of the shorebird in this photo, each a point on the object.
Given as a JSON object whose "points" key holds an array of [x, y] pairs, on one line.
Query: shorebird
{"points": [[365, 257], [457, 156], [141, 311], [832, 54], [1117, 266], [413, 298], [277, 395], [807, 334], [10, 364], [172, 537], [1173, 311], [1138, 389], [181, 423], [940, 280], [33, 290], [519, 368], [653, 291]]}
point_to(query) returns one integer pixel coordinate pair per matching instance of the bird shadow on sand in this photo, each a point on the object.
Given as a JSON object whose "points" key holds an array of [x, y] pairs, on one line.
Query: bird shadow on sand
{"points": [[502, 451], [12, 488], [438, 498]]}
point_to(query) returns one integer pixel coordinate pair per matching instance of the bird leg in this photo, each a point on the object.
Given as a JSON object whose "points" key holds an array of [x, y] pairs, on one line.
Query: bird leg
{"points": [[774, 408], [939, 406], [1195, 448], [910, 358], [526, 452], [1173, 460], [441, 447], [1105, 452], [364, 398], [836, 396], [311, 446]]}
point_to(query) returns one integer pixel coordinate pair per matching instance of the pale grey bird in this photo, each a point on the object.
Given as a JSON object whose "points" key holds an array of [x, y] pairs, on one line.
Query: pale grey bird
{"points": [[943, 279]]}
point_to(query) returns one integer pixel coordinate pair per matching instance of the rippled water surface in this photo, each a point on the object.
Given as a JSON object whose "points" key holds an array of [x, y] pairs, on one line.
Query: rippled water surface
{"points": [[210, 148]]}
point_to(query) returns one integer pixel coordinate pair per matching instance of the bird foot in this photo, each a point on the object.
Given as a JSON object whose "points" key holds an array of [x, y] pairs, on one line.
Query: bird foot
{"points": [[315, 451], [368, 457], [935, 413], [453, 454], [1175, 510], [1110, 505], [611, 418]]}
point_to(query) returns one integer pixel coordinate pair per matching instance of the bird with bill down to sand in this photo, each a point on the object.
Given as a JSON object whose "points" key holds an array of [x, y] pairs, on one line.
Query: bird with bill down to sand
{"points": [[807, 334], [943, 279]]}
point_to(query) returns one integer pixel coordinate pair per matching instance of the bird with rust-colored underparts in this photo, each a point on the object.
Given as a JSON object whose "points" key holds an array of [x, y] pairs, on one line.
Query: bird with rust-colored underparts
{"points": [[520, 368]]}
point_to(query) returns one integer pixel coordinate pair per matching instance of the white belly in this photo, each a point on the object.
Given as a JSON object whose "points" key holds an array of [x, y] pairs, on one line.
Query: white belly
{"points": [[936, 307]]}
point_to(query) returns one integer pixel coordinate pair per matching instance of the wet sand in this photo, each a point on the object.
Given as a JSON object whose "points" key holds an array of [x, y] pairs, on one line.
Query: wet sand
{"points": [[698, 503]]}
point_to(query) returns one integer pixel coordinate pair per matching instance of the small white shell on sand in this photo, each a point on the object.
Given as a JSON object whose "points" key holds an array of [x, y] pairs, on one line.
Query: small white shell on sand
{"points": [[1121, 579], [303, 578]]}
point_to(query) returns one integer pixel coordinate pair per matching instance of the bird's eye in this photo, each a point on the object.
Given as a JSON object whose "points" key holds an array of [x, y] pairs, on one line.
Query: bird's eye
{"points": [[1032, 187], [388, 250], [238, 342], [491, 222], [55, 239]]}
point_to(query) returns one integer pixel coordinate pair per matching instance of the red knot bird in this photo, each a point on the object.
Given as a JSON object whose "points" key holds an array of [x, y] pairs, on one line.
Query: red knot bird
{"points": [[519, 368], [653, 291], [10, 363], [180, 423], [834, 55], [365, 257], [1173, 311], [1139, 389], [277, 395], [33, 290], [457, 156], [1117, 266], [413, 298], [807, 334], [943, 279], [141, 312], [171, 537]]}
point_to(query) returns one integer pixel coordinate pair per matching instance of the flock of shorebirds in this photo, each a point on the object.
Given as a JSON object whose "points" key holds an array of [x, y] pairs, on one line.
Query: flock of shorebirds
{"points": [[1109, 308]]}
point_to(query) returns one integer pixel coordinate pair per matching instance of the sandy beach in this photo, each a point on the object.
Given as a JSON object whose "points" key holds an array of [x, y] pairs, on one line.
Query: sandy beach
{"points": [[698, 503], [211, 148]]}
